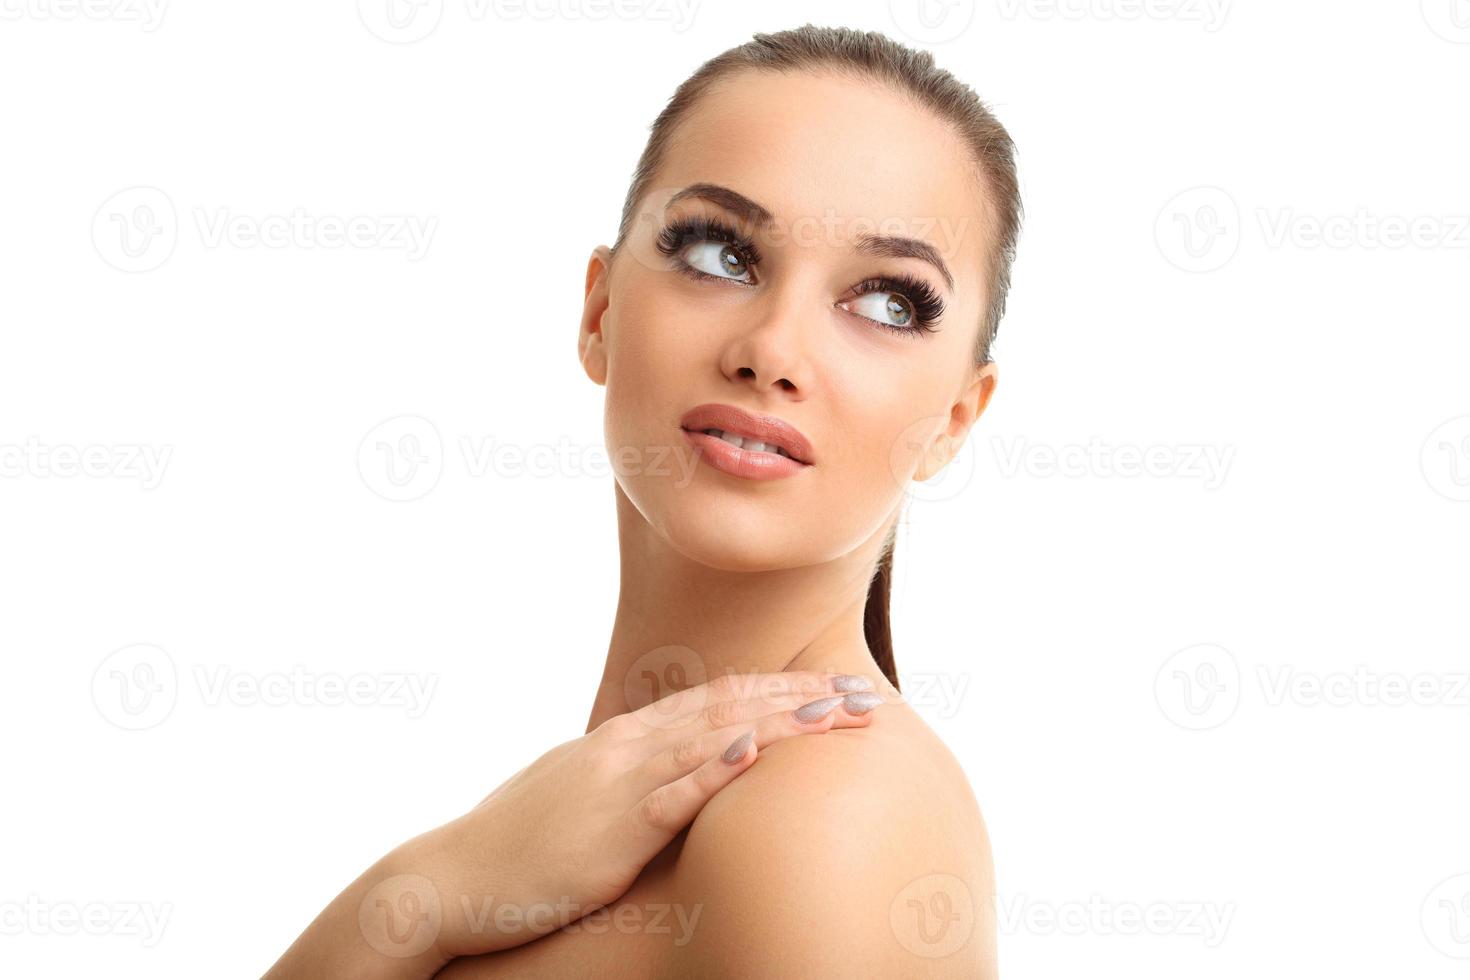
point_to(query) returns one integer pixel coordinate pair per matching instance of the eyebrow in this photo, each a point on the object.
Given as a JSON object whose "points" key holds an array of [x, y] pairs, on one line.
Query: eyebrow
{"points": [[890, 246], [732, 201], [905, 248]]}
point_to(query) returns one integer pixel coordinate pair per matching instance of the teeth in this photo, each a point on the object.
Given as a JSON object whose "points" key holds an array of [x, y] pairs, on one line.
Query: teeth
{"points": [[750, 445]]}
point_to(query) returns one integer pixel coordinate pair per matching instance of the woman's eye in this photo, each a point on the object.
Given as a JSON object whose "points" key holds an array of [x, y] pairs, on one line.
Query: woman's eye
{"points": [[717, 259], [892, 309]]}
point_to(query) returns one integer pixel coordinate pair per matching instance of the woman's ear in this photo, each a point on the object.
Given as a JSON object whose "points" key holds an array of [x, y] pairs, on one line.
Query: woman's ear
{"points": [[962, 417], [591, 345]]}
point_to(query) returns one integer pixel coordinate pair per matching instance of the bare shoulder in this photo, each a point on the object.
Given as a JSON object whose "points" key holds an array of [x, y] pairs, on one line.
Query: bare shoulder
{"points": [[857, 852]]}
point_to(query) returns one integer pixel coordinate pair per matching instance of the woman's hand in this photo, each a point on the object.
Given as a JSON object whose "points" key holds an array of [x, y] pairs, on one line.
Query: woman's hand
{"points": [[568, 833], [572, 831]]}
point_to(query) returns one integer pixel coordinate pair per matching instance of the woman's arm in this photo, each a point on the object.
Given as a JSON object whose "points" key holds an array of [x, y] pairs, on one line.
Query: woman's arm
{"points": [[566, 835], [379, 928]]}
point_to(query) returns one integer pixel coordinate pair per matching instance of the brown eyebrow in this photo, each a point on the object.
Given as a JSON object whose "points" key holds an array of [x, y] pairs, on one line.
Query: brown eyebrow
{"points": [[886, 245], [732, 201], [905, 248]]}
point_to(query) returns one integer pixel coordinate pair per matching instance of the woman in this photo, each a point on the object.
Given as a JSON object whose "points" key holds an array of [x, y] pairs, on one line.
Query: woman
{"points": [[809, 272]]}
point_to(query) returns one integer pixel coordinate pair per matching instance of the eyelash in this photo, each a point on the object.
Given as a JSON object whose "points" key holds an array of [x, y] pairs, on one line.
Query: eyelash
{"points": [[678, 235], [684, 232]]}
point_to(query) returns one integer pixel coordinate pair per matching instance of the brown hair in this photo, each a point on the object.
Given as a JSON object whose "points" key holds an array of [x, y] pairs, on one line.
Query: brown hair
{"points": [[868, 55]]}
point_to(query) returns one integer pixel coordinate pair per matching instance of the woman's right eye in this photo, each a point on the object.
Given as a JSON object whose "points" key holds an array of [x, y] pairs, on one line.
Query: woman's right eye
{"points": [[719, 259]]}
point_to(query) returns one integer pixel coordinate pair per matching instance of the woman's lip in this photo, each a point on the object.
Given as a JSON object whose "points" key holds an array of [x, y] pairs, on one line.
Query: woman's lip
{"points": [[762, 428], [745, 463]]}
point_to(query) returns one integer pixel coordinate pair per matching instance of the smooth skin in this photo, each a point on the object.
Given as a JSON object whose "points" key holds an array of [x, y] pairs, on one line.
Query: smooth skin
{"points": [[570, 832], [861, 853]]}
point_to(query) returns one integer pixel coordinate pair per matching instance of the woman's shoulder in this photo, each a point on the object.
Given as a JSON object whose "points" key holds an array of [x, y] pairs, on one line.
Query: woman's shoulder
{"points": [[858, 851]]}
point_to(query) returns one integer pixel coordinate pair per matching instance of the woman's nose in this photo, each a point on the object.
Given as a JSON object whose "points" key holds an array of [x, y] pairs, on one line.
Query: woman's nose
{"points": [[771, 347]]}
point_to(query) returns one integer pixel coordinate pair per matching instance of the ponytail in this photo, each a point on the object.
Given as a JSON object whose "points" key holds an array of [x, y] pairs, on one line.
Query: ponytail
{"points": [[876, 627]]}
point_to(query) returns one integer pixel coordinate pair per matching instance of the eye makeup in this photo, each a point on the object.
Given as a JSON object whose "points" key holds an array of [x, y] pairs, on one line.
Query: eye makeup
{"points": [[680, 233], [923, 304]]}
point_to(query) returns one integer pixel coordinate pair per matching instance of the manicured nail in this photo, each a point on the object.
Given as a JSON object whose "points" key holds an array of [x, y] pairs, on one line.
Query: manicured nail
{"points": [[817, 710], [737, 748], [851, 682], [861, 703]]}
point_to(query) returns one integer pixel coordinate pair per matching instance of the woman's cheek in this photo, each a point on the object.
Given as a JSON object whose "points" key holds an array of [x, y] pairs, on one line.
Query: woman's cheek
{"points": [[899, 451], [865, 466]]}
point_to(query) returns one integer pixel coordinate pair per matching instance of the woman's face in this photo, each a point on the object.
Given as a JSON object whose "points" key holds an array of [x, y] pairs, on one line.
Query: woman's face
{"points": [[815, 320]]}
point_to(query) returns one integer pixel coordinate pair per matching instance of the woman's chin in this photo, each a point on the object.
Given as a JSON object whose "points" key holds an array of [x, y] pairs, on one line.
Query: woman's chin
{"points": [[746, 535]]}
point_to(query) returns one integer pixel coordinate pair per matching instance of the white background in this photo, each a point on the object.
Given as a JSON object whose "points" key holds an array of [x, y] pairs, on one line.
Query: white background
{"points": [[1105, 652]]}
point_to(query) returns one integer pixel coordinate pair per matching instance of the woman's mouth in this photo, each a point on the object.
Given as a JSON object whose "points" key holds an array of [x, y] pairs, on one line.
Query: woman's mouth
{"points": [[748, 459], [750, 445], [745, 444]]}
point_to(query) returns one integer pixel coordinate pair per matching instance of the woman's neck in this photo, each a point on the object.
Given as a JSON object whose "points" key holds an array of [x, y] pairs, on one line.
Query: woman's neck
{"points": [[680, 622]]}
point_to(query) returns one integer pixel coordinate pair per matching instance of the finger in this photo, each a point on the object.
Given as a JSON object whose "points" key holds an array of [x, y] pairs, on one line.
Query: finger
{"points": [[672, 806], [813, 717], [724, 714], [676, 709]]}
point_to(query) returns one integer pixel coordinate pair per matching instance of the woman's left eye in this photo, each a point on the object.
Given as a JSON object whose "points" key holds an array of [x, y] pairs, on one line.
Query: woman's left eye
{"points": [[888, 308], [718, 259]]}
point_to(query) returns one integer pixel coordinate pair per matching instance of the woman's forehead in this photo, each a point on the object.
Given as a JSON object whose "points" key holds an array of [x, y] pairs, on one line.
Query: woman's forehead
{"points": [[831, 151]]}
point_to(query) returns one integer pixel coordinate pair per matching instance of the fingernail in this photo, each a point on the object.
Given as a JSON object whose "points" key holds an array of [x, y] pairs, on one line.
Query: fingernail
{"points": [[737, 748], [861, 703], [816, 710], [851, 682]]}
